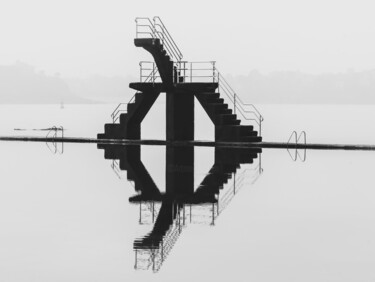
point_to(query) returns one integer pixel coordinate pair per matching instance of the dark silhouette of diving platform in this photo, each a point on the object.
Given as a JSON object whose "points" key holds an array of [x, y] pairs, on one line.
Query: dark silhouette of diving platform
{"points": [[180, 81], [181, 196]]}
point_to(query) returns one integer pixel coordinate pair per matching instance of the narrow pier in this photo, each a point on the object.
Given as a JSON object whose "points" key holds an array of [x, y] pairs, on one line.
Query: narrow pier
{"points": [[150, 142]]}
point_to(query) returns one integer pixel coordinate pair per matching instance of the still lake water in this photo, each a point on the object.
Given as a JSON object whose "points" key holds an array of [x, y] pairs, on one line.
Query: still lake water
{"points": [[67, 217]]}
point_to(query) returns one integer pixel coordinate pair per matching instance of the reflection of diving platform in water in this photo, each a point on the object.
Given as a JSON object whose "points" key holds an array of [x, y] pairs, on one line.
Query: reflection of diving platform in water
{"points": [[181, 82], [181, 204]]}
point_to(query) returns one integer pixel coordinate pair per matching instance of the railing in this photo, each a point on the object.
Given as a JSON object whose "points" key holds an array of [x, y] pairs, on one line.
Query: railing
{"points": [[154, 258], [185, 71], [120, 109], [148, 72], [167, 39], [248, 111], [296, 142], [52, 133], [145, 28]]}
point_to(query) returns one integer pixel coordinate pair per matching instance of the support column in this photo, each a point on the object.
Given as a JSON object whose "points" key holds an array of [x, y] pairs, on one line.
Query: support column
{"points": [[179, 171], [180, 116]]}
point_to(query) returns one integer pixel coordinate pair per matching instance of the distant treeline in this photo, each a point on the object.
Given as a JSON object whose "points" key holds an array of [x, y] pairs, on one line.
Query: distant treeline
{"points": [[300, 88], [21, 83]]}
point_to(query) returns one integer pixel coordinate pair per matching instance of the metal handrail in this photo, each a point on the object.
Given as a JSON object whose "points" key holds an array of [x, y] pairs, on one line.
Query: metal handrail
{"points": [[54, 136], [179, 53], [229, 88], [238, 104], [117, 110], [150, 26], [296, 142], [152, 76], [188, 70], [167, 45], [157, 29]]}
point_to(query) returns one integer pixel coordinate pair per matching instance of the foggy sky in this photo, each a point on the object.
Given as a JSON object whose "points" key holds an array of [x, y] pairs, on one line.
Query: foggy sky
{"points": [[86, 37]]}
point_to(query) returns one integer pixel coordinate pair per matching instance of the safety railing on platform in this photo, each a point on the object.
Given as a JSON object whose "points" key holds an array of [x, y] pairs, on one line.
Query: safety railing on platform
{"points": [[188, 72], [155, 28], [148, 72]]}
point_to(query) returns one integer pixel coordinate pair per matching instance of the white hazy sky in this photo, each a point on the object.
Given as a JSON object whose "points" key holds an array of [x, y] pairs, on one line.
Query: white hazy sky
{"points": [[83, 37]]}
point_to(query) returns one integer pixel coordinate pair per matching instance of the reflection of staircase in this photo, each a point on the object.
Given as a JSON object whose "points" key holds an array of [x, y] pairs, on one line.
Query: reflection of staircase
{"points": [[130, 161], [167, 215], [226, 163], [227, 125], [130, 122]]}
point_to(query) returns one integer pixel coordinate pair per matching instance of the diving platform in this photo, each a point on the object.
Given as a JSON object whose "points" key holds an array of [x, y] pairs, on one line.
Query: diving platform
{"points": [[181, 82]]}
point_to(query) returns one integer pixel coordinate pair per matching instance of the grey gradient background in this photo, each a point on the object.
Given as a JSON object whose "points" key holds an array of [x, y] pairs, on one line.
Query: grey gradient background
{"points": [[281, 51]]}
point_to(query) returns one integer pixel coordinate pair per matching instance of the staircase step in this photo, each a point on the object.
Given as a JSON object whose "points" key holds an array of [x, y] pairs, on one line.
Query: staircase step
{"points": [[140, 42], [123, 118], [231, 122], [138, 96], [251, 139], [130, 175], [131, 107], [209, 189], [114, 131], [225, 118], [250, 134], [214, 179], [215, 100], [101, 136], [223, 111], [246, 129], [218, 107], [206, 95]]}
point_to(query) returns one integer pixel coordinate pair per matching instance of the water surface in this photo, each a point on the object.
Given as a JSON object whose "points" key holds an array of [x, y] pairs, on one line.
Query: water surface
{"points": [[68, 216]]}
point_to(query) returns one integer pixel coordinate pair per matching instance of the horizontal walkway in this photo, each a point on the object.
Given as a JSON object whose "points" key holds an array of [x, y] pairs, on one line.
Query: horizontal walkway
{"points": [[270, 145]]}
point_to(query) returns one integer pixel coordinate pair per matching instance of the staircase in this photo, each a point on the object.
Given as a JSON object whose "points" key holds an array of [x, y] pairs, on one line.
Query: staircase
{"points": [[163, 61], [129, 157], [227, 125], [129, 126], [226, 163]]}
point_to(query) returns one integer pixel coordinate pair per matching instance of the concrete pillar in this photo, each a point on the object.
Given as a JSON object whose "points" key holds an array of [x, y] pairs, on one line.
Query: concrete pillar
{"points": [[180, 116], [179, 171]]}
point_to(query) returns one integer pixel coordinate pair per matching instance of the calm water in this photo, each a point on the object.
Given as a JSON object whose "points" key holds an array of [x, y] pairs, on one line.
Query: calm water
{"points": [[75, 216]]}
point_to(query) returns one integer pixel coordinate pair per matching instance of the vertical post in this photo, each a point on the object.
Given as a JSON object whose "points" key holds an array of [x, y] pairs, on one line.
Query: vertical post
{"points": [[190, 213], [218, 82], [191, 72], [217, 205], [136, 28], [153, 260], [136, 259], [213, 72], [184, 71], [213, 214], [234, 102], [183, 219], [162, 251], [260, 126], [234, 184], [153, 72], [153, 211], [140, 71], [140, 212]]}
